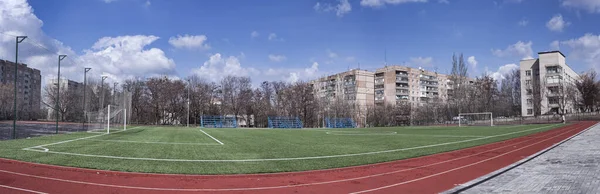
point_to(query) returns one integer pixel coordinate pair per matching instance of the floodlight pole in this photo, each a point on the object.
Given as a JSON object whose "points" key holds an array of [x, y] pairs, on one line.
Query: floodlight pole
{"points": [[102, 91], [84, 92], [114, 92], [60, 58], [188, 104], [19, 40]]}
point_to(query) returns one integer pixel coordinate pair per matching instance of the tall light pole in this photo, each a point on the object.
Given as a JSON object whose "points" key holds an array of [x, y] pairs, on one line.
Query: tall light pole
{"points": [[19, 40], [188, 103], [102, 97], [84, 92], [114, 93], [60, 58]]}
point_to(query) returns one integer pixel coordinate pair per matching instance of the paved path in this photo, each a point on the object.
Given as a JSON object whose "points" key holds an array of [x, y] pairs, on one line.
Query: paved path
{"points": [[572, 167]]}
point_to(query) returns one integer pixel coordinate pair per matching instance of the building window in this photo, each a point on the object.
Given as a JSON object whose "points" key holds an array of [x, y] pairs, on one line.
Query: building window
{"points": [[529, 111], [528, 73], [529, 101], [527, 82]]}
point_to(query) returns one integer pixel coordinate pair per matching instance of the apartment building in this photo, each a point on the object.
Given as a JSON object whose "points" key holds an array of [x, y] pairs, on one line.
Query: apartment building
{"points": [[355, 87], [28, 88], [415, 86], [65, 85], [545, 82]]}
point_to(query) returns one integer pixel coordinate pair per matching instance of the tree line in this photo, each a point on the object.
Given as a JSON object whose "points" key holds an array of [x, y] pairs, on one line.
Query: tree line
{"points": [[164, 101]]}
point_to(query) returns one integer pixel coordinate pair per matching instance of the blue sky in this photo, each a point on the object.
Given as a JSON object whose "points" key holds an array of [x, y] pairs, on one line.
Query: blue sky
{"points": [[300, 40]]}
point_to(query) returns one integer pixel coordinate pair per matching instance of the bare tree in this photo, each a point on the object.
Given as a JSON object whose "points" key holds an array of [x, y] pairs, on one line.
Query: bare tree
{"points": [[589, 89]]}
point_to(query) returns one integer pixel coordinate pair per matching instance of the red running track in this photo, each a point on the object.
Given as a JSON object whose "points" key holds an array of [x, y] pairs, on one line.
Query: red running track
{"points": [[428, 174]]}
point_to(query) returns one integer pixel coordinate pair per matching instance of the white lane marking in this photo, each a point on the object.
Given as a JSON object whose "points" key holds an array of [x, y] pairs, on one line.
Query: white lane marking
{"points": [[152, 142], [72, 140], [21, 189], [212, 137], [288, 159], [455, 169], [271, 187]]}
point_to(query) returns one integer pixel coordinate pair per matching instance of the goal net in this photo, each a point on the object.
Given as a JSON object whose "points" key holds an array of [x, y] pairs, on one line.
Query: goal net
{"points": [[475, 119], [110, 119]]}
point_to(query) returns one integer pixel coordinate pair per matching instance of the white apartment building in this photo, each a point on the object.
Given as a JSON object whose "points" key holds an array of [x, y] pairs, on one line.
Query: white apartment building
{"points": [[544, 84], [416, 86]]}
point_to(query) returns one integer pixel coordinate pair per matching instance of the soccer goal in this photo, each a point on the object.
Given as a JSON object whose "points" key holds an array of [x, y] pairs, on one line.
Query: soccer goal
{"points": [[475, 119], [340, 122], [218, 121], [284, 122], [110, 119]]}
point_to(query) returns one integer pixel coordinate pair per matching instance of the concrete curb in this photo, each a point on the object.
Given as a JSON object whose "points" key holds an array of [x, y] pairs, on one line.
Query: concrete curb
{"points": [[484, 178]]}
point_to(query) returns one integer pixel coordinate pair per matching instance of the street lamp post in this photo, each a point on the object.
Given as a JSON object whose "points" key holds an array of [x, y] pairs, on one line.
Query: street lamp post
{"points": [[19, 40], [60, 58], [84, 92]]}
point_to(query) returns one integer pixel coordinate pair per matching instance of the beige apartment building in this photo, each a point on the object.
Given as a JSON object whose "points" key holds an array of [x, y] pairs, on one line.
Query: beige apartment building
{"points": [[545, 82], [416, 86], [353, 87]]}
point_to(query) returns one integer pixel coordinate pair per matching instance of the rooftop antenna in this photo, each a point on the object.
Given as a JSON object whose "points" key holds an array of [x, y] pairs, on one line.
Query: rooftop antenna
{"points": [[359, 65], [385, 56]]}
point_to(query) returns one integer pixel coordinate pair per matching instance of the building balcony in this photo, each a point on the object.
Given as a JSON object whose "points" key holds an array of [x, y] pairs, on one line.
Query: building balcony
{"points": [[401, 87], [402, 75], [553, 105], [401, 80]]}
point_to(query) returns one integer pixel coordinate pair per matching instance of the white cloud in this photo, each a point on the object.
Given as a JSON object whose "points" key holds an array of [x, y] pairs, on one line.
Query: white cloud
{"points": [[125, 57], [380, 3], [523, 22], [350, 59], [472, 61], [422, 62], [108, 1], [557, 23], [219, 66], [331, 54], [340, 9], [444, 1], [120, 57], [277, 58], [555, 45], [254, 34], [519, 49], [502, 71], [189, 42], [585, 48], [147, 3], [592, 6], [308, 73], [273, 37]]}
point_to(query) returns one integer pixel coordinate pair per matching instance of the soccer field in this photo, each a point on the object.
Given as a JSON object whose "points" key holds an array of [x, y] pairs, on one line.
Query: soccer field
{"points": [[232, 151]]}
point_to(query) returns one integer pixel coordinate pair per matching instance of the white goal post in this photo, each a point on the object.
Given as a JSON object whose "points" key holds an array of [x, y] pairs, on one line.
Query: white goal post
{"points": [[481, 116]]}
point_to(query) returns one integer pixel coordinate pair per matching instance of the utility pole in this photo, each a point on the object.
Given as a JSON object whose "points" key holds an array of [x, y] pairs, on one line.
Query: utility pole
{"points": [[84, 92], [102, 97], [60, 58], [19, 40]]}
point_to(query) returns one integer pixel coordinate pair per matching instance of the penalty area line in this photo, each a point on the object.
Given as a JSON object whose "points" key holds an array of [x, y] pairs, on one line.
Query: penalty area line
{"points": [[67, 141], [212, 137]]}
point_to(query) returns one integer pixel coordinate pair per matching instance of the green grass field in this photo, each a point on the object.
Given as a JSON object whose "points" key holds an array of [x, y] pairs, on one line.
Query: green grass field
{"points": [[232, 151]]}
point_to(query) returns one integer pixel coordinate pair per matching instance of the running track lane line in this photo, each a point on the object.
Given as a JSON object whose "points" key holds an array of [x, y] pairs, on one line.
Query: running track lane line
{"points": [[458, 168], [264, 188], [21, 189], [285, 159]]}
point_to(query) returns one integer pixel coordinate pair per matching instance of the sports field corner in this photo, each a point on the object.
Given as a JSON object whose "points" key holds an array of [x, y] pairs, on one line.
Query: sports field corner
{"points": [[408, 175]]}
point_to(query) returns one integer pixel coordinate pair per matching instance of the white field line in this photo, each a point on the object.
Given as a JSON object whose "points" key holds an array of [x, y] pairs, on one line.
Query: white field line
{"points": [[288, 159], [455, 169], [270, 187], [72, 140], [21, 189], [395, 133], [152, 142], [212, 137]]}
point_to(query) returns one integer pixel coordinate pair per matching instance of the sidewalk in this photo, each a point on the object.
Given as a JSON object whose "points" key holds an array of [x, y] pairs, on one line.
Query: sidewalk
{"points": [[572, 167]]}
